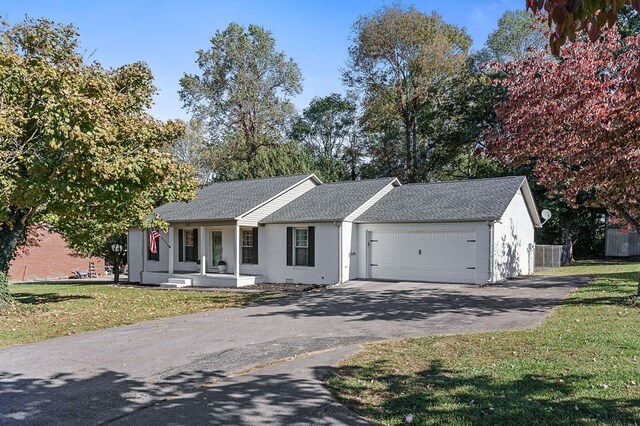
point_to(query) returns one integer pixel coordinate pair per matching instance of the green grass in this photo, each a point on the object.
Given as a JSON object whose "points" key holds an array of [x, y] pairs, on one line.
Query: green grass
{"points": [[581, 366], [51, 310]]}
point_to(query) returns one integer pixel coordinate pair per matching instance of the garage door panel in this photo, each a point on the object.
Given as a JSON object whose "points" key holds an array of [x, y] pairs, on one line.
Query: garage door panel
{"points": [[423, 256]]}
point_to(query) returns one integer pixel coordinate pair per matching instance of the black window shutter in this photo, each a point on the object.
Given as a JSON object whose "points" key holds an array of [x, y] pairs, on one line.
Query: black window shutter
{"points": [[312, 246], [180, 245], [195, 246], [255, 246], [289, 246]]}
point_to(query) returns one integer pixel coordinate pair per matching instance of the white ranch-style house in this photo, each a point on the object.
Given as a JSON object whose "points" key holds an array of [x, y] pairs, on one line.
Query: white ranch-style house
{"points": [[295, 229]]}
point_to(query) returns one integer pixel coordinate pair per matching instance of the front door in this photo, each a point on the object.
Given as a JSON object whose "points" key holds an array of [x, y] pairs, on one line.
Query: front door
{"points": [[216, 248]]}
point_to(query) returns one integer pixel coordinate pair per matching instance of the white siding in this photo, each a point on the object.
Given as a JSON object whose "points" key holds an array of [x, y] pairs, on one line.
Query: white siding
{"points": [[481, 231], [349, 251], [513, 241], [326, 269], [371, 201], [263, 248], [135, 253], [252, 218]]}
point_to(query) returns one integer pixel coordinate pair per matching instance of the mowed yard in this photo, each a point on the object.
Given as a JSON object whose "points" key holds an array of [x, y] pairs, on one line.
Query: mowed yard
{"points": [[44, 311], [581, 366]]}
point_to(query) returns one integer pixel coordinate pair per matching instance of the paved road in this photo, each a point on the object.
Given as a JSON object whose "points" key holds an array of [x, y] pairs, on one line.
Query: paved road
{"points": [[261, 364]]}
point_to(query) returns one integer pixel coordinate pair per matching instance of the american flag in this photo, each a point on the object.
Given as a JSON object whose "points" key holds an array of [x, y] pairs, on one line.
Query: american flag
{"points": [[153, 240]]}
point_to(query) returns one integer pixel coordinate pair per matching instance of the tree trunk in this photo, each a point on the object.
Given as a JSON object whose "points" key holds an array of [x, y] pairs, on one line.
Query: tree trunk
{"points": [[408, 147], [10, 238], [567, 250], [116, 272]]}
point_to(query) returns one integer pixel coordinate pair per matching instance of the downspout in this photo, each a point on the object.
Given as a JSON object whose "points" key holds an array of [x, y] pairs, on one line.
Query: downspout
{"points": [[340, 275], [491, 251], [143, 256]]}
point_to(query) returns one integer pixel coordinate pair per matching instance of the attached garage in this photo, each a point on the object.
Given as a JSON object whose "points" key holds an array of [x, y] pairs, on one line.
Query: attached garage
{"points": [[474, 231], [443, 256]]}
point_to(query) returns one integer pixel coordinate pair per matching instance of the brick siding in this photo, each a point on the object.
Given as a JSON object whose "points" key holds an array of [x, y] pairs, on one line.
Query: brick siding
{"points": [[50, 259]]}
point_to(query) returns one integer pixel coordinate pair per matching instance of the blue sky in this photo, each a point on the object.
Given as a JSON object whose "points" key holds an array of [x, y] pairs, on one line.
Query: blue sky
{"points": [[166, 34]]}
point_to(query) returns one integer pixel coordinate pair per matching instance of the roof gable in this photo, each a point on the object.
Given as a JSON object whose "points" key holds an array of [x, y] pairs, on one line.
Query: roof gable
{"points": [[330, 201], [230, 200]]}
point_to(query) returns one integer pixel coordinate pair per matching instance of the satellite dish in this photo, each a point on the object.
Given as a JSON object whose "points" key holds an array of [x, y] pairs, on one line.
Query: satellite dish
{"points": [[546, 214]]}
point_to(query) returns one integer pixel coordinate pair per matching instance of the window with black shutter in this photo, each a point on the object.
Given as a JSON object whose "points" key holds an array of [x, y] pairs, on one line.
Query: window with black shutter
{"points": [[301, 246]]}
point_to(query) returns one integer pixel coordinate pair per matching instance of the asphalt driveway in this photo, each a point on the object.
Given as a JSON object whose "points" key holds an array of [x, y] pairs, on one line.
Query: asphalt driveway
{"points": [[260, 364]]}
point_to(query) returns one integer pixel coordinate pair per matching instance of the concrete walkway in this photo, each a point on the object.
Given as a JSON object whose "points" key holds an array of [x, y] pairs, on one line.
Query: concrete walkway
{"points": [[261, 364]]}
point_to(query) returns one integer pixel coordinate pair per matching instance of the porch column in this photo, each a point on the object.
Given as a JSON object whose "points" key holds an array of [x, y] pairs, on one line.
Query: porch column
{"points": [[171, 244], [203, 247], [236, 241]]}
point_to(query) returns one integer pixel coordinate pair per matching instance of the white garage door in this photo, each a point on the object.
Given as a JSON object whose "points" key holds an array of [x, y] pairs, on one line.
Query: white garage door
{"points": [[423, 256]]}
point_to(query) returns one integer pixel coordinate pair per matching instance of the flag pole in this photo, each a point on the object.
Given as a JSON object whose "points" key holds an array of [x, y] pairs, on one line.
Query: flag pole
{"points": [[165, 241]]}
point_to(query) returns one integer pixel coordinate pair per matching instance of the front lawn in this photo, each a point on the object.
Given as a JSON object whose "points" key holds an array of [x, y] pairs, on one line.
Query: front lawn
{"points": [[52, 310], [581, 366]]}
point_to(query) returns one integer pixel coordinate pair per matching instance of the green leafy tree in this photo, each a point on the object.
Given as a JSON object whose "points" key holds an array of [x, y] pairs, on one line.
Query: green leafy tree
{"points": [[400, 61], [518, 33], [192, 149], [76, 143], [242, 96], [285, 159], [628, 22], [90, 242], [328, 126]]}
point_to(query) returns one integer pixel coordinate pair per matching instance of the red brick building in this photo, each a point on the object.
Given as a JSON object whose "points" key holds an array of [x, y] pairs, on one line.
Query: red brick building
{"points": [[49, 259]]}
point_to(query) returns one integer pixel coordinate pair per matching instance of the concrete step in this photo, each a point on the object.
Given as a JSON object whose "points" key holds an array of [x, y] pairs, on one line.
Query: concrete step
{"points": [[174, 285], [184, 281]]}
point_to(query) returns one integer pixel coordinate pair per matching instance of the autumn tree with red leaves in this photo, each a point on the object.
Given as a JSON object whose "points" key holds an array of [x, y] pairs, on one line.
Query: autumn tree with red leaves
{"points": [[576, 121], [568, 18]]}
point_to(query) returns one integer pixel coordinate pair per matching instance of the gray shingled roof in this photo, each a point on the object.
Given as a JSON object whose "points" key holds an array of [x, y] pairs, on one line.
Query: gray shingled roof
{"points": [[457, 201], [228, 200], [329, 202]]}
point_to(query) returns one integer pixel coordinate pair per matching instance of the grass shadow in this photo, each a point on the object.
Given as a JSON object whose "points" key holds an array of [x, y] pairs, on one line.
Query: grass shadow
{"points": [[35, 299], [439, 395]]}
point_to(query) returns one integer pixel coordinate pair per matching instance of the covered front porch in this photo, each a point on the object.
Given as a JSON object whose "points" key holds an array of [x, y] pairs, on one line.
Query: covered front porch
{"points": [[211, 254]]}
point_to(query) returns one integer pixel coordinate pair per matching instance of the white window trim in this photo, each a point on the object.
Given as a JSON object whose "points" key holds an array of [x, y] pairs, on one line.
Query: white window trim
{"points": [[295, 247], [242, 231], [184, 246]]}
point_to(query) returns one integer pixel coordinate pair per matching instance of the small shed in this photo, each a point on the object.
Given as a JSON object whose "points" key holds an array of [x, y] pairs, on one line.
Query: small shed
{"points": [[619, 243]]}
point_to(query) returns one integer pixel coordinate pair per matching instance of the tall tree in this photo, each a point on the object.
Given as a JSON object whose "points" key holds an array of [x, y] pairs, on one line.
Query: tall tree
{"points": [[519, 32], [77, 144], [399, 62], [193, 149], [328, 126], [242, 94], [583, 140]]}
